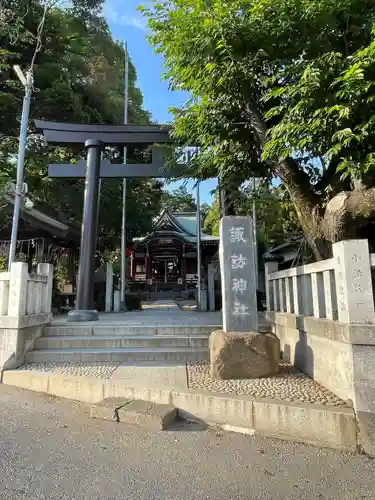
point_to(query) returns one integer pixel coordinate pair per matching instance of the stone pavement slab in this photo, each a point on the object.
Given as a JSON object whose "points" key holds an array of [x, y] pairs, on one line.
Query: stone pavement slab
{"points": [[158, 375], [160, 305]]}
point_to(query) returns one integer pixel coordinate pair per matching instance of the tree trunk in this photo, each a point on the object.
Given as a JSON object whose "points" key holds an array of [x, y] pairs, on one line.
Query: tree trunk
{"points": [[307, 205], [349, 215]]}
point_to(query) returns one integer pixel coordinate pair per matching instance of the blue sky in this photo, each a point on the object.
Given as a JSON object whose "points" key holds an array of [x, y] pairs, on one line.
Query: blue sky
{"points": [[127, 24]]}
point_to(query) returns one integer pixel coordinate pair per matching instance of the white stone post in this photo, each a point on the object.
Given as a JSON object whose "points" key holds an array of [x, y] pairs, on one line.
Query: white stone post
{"points": [[281, 294], [46, 270], [297, 297], [116, 301], [318, 296], [109, 288], [353, 282], [330, 294], [307, 295], [4, 295], [18, 289], [270, 267], [39, 290], [288, 295], [211, 285]]}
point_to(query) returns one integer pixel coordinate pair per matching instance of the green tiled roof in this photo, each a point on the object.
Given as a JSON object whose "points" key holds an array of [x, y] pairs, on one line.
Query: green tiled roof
{"points": [[181, 224]]}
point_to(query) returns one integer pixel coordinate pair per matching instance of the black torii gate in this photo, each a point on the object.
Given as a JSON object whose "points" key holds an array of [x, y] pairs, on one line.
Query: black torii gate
{"points": [[95, 138]]}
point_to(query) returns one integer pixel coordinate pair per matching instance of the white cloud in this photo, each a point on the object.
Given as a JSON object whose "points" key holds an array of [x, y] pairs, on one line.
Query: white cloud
{"points": [[116, 13]]}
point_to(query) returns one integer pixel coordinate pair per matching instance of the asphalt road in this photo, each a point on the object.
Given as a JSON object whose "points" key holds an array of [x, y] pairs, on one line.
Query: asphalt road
{"points": [[51, 449]]}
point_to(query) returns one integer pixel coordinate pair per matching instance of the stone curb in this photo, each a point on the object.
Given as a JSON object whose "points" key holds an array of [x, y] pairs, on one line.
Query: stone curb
{"points": [[333, 427]]}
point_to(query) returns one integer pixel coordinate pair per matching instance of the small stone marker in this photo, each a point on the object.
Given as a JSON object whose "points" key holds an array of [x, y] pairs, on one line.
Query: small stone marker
{"points": [[238, 278], [153, 416]]}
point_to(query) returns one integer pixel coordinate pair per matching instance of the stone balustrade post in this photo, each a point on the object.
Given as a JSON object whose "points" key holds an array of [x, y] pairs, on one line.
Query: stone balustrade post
{"points": [[212, 269], [4, 296], [353, 282], [46, 270], [109, 287], [18, 289], [270, 267]]}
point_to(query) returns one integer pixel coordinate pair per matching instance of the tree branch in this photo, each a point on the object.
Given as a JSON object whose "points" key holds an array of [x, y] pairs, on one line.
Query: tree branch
{"points": [[331, 178]]}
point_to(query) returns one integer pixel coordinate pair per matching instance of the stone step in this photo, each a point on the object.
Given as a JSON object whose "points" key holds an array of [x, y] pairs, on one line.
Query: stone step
{"points": [[121, 354], [115, 341], [153, 416], [65, 329]]}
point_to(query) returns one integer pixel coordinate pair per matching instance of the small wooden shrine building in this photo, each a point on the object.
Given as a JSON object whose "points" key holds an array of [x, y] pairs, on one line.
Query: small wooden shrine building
{"points": [[164, 262]]}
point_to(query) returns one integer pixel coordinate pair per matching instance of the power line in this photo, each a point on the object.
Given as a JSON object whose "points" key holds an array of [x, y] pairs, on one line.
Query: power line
{"points": [[40, 29]]}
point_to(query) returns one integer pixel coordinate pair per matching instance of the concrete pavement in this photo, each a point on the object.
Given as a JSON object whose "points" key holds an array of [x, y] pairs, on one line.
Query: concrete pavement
{"points": [[50, 449]]}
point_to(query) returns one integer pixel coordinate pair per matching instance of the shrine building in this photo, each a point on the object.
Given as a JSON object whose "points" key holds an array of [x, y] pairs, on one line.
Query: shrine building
{"points": [[164, 262]]}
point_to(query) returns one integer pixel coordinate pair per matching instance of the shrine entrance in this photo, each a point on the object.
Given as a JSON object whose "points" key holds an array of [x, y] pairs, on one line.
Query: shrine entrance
{"points": [[158, 260], [165, 269]]}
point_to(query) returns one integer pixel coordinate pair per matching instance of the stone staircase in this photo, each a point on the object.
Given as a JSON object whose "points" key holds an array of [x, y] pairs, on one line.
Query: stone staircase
{"points": [[120, 343]]}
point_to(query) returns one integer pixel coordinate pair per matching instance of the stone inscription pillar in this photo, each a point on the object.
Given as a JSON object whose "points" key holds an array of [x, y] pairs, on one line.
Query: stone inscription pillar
{"points": [[238, 279], [353, 282], [85, 287]]}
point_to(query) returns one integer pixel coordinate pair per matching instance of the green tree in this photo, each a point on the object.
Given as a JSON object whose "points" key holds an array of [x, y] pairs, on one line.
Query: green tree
{"points": [[282, 89], [275, 214], [179, 200], [205, 209], [78, 74], [212, 219]]}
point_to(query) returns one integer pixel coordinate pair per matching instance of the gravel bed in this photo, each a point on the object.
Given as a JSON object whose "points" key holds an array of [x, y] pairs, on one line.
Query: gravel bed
{"points": [[99, 370], [288, 385]]}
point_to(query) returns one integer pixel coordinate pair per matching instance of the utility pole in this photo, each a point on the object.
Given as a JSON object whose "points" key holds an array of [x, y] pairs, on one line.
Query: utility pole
{"points": [[28, 85], [199, 256], [123, 228]]}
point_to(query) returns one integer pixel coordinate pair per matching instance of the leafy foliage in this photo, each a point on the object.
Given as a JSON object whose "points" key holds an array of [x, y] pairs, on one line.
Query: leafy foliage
{"points": [[278, 88], [78, 77], [212, 219], [276, 217], [179, 200]]}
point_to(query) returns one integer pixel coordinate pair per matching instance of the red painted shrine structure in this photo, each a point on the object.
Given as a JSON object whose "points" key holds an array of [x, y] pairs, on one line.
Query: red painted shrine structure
{"points": [[164, 262]]}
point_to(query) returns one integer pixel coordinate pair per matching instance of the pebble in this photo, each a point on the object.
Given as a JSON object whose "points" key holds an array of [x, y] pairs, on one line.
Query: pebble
{"points": [[288, 385], [100, 370]]}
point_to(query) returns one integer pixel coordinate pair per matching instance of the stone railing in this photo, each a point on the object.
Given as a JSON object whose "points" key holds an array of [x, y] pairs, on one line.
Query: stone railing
{"points": [[25, 308], [337, 289], [309, 290], [323, 314], [24, 294]]}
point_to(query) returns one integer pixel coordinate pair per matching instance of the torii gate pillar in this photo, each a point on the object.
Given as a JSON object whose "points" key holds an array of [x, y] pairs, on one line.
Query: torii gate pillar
{"points": [[84, 310]]}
